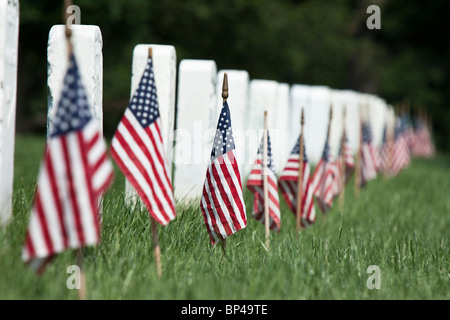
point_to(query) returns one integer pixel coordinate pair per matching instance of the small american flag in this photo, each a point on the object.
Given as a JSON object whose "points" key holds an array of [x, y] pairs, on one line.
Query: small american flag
{"points": [[408, 130], [137, 148], [422, 145], [72, 178], [222, 202], [400, 151], [369, 156], [385, 152], [288, 183], [348, 166], [255, 184], [323, 179]]}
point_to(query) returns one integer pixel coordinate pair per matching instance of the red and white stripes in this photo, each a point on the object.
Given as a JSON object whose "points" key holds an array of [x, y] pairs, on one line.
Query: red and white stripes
{"points": [[255, 184], [288, 183], [222, 202], [139, 153], [72, 177]]}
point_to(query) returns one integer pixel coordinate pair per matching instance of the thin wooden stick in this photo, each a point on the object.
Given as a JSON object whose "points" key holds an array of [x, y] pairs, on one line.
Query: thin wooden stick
{"points": [[343, 173], [265, 181], [324, 172], [154, 224], [225, 97], [82, 292], [68, 3], [300, 175], [156, 248]]}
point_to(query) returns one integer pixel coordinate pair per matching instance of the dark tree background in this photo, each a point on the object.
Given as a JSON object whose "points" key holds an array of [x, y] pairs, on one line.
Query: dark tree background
{"points": [[316, 42]]}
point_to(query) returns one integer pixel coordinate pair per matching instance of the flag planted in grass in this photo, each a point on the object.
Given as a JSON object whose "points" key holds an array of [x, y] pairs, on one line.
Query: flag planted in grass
{"points": [[370, 158], [323, 179], [344, 165], [255, 184], [400, 157], [73, 175], [422, 145], [288, 183], [137, 148], [222, 202]]}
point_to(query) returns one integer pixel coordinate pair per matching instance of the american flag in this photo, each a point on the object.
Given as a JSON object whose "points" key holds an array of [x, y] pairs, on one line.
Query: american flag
{"points": [[344, 161], [255, 184], [323, 179], [400, 151], [369, 156], [385, 152], [73, 175], [137, 147], [222, 202], [422, 145], [288, 183], [408, 130]]}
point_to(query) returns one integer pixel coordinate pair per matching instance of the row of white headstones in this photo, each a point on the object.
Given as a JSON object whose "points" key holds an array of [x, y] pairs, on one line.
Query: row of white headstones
{"points": [[193, 102]]}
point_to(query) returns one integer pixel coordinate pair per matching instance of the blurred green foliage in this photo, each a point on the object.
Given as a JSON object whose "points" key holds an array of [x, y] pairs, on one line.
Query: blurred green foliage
{"points": [[309, 42]]}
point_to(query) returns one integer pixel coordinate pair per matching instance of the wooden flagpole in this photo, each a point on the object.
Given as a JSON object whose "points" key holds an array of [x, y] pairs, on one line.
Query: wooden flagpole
{"points": [[300, 175], [82, 292], [225, 97], [342, 165], [156, 248], [343, 173], [324, 172], [68, 3], [265, 181], [155, 241]]}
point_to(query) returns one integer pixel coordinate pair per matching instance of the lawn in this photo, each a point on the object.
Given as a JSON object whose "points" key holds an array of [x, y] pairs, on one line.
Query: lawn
{"points": [[400, 225]]}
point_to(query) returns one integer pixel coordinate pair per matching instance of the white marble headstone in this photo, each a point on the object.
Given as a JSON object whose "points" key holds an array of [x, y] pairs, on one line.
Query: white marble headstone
{"points": [[378, 109], [316, 124], [87, 48], [338, 102], [9, 35], [283, 119], [238, 85], [300, 99], [196, 122], [352, 119], [263, 96]]}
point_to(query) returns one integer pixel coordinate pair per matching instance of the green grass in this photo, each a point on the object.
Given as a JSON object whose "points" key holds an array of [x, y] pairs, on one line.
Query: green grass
{"points": [[401, 225]]}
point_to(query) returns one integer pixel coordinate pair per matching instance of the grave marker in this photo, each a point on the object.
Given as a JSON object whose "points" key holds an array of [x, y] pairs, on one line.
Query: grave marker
{"points": [[87, 48], [238, 83], [197, 110], [352, 120], [317, 122], [9, 34], [338, 102], [282, 124], [263, 96], [300, 98], [377, 111]]}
